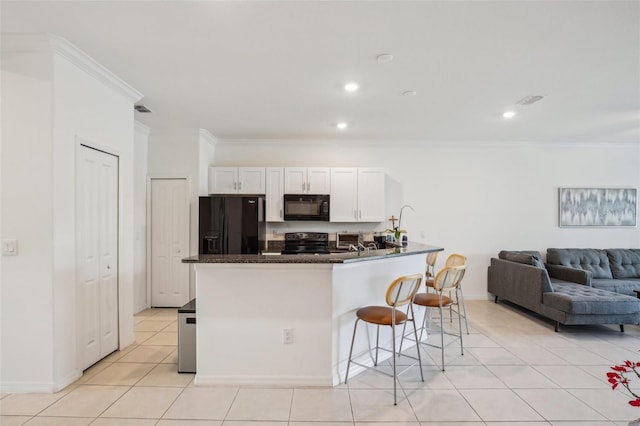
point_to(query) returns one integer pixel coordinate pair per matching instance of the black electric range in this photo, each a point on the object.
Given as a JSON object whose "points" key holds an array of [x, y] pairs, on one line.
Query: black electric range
{"points": [[306, 243]]}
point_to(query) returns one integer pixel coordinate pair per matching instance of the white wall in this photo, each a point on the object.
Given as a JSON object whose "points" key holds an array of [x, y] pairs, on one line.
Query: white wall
{"points": [[80, 102], [471, 198], [140, 149], [26, 284]]}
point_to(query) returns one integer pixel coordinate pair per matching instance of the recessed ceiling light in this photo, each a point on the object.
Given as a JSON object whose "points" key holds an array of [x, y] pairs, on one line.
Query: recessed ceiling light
{"points": [[409, 93], [342, 125], [384, 58], [508, 114], [351, 86]]}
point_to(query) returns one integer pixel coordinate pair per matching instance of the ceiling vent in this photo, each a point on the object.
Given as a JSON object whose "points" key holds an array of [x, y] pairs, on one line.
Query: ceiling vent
{"points": [[141, 108], [531, 99]]}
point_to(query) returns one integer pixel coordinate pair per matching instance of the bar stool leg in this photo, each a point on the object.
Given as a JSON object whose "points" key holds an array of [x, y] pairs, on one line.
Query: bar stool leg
{"points": [[393, 354], [355, 327], [415, 335], [375, 362], [464, 310], [441, 333]]}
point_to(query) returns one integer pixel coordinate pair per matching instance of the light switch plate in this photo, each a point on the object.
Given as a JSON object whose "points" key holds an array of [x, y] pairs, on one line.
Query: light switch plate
{"points": [[9, 247]]}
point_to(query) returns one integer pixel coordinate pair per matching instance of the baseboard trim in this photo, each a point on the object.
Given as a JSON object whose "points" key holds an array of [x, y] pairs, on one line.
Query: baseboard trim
{"points": [[277, 381]]}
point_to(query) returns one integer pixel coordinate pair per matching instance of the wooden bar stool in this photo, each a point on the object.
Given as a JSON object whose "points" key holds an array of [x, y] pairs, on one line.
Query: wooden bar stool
{"points": [[400, 292]]}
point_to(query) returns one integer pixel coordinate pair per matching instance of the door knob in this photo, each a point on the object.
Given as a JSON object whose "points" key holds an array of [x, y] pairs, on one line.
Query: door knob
{"points": [[108, 266]]}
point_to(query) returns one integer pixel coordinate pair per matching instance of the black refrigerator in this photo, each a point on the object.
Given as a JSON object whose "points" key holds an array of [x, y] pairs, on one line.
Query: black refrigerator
{"points": [[231, 224]]}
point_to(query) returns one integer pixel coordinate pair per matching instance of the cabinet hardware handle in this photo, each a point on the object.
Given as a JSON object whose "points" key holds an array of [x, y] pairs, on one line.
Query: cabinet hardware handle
{"points": [[280, 212], [239, 185], [308, 186], [303, 185], [235, 185]]}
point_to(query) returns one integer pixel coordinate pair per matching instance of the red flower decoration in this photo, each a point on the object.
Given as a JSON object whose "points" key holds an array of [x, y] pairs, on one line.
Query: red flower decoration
{"points": [[618, 378]]}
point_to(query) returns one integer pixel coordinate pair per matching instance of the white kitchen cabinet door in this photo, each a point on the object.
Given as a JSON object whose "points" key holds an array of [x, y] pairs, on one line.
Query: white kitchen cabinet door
{"points": [[223, 180], [371, 192], [357, 194], [237, 180], [307, 180], [295, 180], [97, 261], [251, 180], [275, 194], [318, 180], [344, 195]]}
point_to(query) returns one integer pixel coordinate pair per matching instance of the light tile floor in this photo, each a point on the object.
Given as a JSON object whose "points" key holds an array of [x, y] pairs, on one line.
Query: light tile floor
{"points": [[516, 370]]}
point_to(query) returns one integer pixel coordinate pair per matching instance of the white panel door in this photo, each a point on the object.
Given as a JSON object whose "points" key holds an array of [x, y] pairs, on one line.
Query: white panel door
{"points": [[169, 242], [97, 267]]}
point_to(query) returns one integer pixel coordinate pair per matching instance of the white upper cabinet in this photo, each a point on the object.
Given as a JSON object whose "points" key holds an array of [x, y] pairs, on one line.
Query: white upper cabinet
{"points": [[307, 180], [357, 194], [237, 180], [275, 192], [371, 201]]}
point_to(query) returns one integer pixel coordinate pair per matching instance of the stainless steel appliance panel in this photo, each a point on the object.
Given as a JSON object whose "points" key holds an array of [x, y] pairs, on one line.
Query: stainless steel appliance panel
{"points": [[187, 338]]}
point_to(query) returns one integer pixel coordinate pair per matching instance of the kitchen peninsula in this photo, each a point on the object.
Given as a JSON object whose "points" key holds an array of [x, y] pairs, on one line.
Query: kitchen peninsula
{"points": [[288, 319]]}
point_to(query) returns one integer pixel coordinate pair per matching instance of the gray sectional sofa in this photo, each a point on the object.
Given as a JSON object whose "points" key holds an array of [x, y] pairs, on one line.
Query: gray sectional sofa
{"points": [[562, 293], [616, 270]]}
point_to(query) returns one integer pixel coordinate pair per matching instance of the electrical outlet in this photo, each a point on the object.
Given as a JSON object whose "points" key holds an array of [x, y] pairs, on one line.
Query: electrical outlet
{"points": [[9, 247], [287, 335]]}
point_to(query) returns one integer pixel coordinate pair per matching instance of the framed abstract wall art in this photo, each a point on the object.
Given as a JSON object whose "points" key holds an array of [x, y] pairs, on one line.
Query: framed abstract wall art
{"points": [[598, 207]]}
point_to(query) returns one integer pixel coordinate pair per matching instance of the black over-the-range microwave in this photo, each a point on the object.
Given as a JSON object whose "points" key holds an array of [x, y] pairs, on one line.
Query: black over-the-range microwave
{"points": [[306, 207]]}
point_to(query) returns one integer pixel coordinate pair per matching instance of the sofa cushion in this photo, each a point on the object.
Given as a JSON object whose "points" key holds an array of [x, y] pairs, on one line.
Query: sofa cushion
{"points": [[622, 286], [625, 263], [580, 299], [593, 260], [528, 257]]}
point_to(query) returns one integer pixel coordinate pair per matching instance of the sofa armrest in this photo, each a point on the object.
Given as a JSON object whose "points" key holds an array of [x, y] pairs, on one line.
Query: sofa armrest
{"points": [[519, 283], [565, 273]]}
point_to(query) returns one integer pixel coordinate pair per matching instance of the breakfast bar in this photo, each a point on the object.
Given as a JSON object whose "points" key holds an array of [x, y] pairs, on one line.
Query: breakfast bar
{"points": [[287, 320]]}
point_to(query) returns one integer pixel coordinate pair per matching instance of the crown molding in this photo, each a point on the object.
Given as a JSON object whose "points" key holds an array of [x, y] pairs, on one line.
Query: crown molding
{"points": [[44, 42], [208, 137], [89, 65]]}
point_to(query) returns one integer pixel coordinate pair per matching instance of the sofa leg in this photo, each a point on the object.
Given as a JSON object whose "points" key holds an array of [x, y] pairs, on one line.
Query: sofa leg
{"points": [[556, 328], [621, 328], [495, 300]]}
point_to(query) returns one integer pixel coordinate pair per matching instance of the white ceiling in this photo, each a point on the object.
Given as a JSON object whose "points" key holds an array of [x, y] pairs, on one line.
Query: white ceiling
{"points": [[274, 70]]}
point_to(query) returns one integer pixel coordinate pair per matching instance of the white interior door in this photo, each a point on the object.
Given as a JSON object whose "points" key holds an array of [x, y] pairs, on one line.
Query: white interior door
{"points": [[97, 233], [169, 242]]}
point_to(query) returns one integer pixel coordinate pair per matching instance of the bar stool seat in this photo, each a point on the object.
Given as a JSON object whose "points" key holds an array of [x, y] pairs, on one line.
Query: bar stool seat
{"points": [[380, 315], [432, 300]]}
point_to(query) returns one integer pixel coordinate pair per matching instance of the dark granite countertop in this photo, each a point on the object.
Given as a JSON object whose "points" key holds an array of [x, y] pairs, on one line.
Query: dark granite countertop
{"points": [[342, 257]]}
